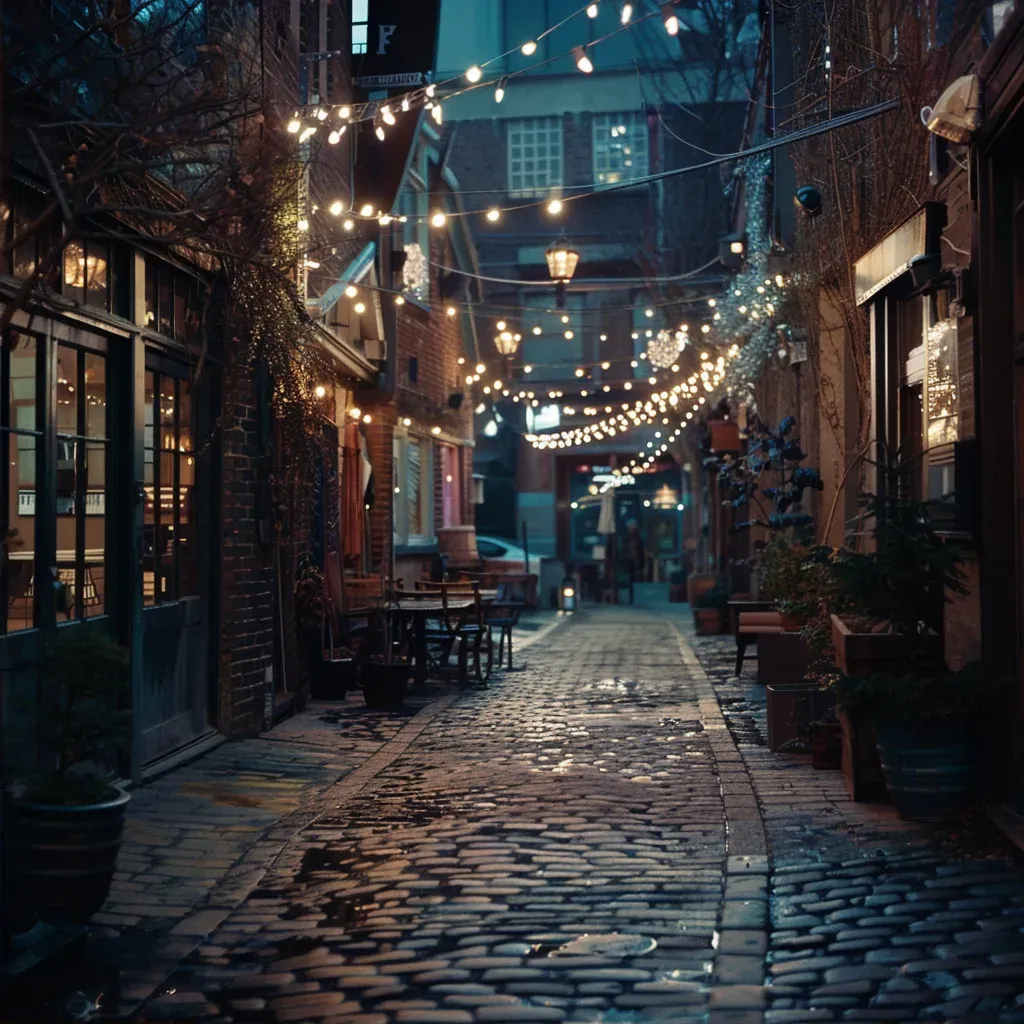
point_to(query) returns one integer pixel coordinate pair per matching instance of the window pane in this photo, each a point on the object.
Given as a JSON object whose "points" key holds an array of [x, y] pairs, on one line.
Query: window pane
{"points": [[413, 483], [20, 534], [23, 380], [943, 400], [152, 293], [24, 254], [360, 9], [96, 276], [180, 304], [94, 579], [188, 581], [67, 390], [95, 395], [535, 155], [620, 147], [165, 311], [359, 38], [184, 416], [74, 271], [148, 517]]}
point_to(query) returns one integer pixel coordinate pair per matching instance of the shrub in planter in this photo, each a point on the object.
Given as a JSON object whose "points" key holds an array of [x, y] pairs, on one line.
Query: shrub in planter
{"points": [[924, 730], [65, 823]]}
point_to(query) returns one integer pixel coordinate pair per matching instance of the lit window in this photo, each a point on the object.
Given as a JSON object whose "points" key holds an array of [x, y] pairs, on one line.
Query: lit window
{"points": [[534, 155], [360, 25], [620, 147]]}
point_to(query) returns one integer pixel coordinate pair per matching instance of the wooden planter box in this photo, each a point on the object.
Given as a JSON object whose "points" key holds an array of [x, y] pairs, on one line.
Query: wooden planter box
{"points": [[781, 658], [861, 654], [791, 709], [707, 621], [862, 767]]}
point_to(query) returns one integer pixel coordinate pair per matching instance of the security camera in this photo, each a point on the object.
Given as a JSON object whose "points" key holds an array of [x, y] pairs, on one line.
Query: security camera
{"points": [[808, 199]]}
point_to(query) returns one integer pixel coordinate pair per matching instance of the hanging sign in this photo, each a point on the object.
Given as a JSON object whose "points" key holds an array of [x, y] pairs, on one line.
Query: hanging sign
{"points": [[401, 44]]}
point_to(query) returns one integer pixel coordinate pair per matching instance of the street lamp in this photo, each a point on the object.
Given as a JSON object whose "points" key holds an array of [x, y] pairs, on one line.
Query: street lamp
{"points": [[562, 262]]}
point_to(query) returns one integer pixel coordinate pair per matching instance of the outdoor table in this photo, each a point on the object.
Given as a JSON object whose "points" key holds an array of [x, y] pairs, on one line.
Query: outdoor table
{"points": [[421, 609]]}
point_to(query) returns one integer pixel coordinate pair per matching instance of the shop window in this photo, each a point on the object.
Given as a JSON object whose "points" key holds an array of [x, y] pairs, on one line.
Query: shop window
{"points": [[413, 467], [451, 486], [86, 276], [534, 156], [172, 301], [19, 423], [81, 472], [169, 568], [620, 147]]}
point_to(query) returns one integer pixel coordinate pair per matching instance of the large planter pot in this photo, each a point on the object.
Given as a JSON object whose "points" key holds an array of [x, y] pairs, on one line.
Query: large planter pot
{"points": [[862, 767], [928, 766], [697, 584], [792, 707], [781, 658], [331, 679], [61, 859], [708, 621], [862, 654], [384, 684]]}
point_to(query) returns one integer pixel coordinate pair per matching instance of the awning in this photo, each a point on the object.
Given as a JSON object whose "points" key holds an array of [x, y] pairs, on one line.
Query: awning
{"points": [[917, 238]]}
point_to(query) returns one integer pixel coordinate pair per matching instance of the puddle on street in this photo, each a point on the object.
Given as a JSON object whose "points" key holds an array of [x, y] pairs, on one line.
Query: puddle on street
{"points": [[610, 944]]}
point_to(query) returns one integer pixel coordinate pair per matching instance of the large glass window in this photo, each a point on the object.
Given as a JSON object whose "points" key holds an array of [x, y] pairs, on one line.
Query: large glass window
{"points": [[81, 471], [360, 17], [169, 545], [172, 301], [620, 147], [414, 492], [534, 156], [19, 423]]}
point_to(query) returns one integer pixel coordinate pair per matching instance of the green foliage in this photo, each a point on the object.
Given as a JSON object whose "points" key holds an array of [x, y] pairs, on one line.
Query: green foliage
{"points": [[716, 597], [921, 697], [85, 722], [904, 580]]}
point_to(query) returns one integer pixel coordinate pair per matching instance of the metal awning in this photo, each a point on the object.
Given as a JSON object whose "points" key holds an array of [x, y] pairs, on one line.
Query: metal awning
{"points": [[915, 239]]}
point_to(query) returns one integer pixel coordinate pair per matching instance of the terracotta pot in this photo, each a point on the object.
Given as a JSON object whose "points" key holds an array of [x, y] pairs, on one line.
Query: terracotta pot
{"points": [[707, 621], [862, 767]]}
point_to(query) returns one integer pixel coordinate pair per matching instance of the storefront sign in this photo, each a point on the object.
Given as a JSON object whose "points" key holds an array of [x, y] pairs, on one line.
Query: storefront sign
{"points": [[401, 43], [915, 238]]}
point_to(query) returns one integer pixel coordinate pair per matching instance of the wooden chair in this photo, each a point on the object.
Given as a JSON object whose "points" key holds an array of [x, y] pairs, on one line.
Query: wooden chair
{"points": [[502, 615], [750, 626], [464, 626]]}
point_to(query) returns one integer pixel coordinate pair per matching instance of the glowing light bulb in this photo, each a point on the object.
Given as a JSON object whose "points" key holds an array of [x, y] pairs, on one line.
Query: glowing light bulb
{"points": [[668, 14], [474, 74], [355, 413], [349, 224], [351, 291], [359, 308], [345, 112], [705, 328], [480, 368], [606, 366], [335, 208], [366, 210], [399, 300], [320, 391], [451, 311], [493, 214], [537, 329], [569, 335], [294, 125], [583, 61], [437, 220], [307, 133], [303, 224], [626, 13], [592, 11], [604, 337], [386, 113], [555, 206], [527, 368], [528, 49], [499, 90]]}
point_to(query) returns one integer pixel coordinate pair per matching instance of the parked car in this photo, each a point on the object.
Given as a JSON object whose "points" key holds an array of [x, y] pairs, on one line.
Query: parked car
{"points": [[497, 549]]}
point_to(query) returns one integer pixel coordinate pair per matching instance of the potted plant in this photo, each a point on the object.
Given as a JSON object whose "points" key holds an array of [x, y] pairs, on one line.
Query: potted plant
{"points": [[710, 609], [65, 823], [331, 673], [923, 726], [385, 673]]}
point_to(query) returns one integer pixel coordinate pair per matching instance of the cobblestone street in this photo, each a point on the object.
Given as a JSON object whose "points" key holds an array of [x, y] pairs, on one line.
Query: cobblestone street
{"points": [[586, 840]]}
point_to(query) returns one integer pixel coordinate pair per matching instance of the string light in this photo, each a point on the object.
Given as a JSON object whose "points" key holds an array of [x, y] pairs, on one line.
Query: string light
{"points": [[592, 10], [474, 74], [494, 215], [499, 89], [668, 14], [437, 220], [387, 115], [359, 308], [294, 126], [335, 136], [349, 224], [583, 61], [555, 206], [451, 311], [626, 14], [529, 48], [435, 113], [366, 210], [351, 291]]}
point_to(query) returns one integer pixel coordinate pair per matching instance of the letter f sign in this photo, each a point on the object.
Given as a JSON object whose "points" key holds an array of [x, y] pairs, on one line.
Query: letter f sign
{"points": [[385, 32]]}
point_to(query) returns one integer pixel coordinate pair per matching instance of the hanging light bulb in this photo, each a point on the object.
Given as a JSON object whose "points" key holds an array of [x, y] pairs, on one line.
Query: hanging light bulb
{"points": [[529, 48], [344, 113], [499, 89], [351, 291], [379, 132], [437, 220], [430, 90], [501, 325], [359, 308], [451, 311], [348, 224], [537, 330], [303, 224], [626, 14], [405, 103], [592, 10], [366, 210], [386, 113], [307, 133], [583, 62], [494, 215], [335, 137], [668, 14], [474, 74], [435, 113], [335, 208], [294, 125], [555, 206]]}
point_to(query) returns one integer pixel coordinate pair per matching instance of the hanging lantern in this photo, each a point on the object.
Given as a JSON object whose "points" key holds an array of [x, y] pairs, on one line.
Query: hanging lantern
{"points": [[507, 343], [562, 260]]}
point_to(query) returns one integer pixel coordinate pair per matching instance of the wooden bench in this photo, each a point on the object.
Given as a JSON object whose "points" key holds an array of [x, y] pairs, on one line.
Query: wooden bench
{"points": [[752, 624]]}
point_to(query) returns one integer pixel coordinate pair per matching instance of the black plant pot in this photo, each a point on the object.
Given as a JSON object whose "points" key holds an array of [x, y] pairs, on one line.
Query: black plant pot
{"points": [[332, 679], [61, 859], [384, 684]]}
